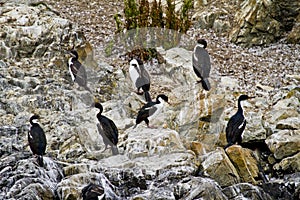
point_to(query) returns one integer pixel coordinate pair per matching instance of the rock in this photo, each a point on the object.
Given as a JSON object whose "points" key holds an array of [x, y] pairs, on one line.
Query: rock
{"points": [[143, 142], [254, 130], [229, 83], [157, 163], [262, 22], [198, 188], [208, 18], [293, 37], [244, 162], [25, 179], [71, 188], [289, 164], [28, 25], [245, 190], [283, 114], [283, 189], [291, 123], [284, 143], [216, 165]]}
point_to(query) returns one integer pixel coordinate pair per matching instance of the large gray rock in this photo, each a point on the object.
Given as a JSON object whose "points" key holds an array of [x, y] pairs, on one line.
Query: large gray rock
{"points": [[198, 188], [245, 191], [34, 30], [284, 143], [263, 22], [289, 164], [216, 165], [24, 178], [244, 162]]}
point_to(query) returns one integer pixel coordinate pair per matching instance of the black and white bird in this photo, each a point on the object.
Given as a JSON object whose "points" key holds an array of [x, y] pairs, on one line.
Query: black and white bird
{"points": [[140, 77], [236, 124], [77, 71], [201, 63], [107, 130], [92, 192], [151, 110], [37, 139]]}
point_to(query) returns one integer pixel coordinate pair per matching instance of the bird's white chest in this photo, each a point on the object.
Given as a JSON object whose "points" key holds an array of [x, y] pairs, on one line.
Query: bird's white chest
{"points": [[242, 124], [157, 110], [29, 134], [70, 63], [194, 53], [134, 74]]}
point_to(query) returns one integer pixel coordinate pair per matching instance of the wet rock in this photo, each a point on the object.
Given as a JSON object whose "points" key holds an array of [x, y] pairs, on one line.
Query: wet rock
{"points": [[92, 192], [283, 189], [24, 178], [244, 162], [198, 187], [284, 143], [216, 165], [71, 188], [245, 190]]}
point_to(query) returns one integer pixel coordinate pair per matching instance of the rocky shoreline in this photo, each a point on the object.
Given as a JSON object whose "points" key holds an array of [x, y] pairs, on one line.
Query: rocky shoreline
{"points": [[183, 156]]}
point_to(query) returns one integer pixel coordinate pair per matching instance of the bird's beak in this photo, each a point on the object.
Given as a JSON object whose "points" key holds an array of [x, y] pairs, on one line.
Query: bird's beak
{"points": [[251, 97]]}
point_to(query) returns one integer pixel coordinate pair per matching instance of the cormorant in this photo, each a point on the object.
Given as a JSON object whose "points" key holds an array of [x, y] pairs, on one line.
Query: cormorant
{"points": [[151, 109], [92, 192], [236, 124], [201, 63], [140, 77], [77, 71], [37, 139], [107, 130]]}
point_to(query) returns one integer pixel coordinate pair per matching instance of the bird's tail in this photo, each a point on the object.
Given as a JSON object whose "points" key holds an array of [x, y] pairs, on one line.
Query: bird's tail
{"points": [[205, 84], [114, 150], [40, 160]]}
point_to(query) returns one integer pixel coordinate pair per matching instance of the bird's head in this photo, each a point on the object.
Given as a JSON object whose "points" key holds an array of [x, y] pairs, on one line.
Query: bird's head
{"points": [[202, 42], [161, 98], [244, 97], [99, 106], [34, 119], [73, 53], [136, 62]]}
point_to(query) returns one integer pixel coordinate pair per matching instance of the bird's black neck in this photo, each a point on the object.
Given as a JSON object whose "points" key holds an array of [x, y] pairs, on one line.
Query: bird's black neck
{"points": [[240, 109], [33, 123], [99, 114]]}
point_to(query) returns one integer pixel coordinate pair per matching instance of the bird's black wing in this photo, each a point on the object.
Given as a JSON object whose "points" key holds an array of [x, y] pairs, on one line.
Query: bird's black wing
{"points": [[201, 62], [146, 111], [37, 140], [110, 130], [79, 73], [235, 128], [145, 74]]}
